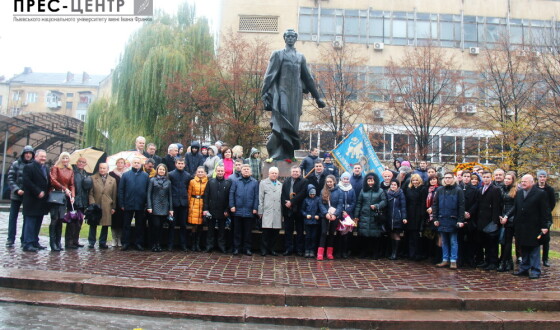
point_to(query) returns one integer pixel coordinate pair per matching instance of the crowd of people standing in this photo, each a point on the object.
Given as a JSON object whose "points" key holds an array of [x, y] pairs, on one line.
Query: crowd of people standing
{"points": [[458, 220]]}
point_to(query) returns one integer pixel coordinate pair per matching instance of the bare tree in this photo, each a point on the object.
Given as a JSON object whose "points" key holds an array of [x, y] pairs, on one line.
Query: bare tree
{"points": [[422, 87], [342, 81]]}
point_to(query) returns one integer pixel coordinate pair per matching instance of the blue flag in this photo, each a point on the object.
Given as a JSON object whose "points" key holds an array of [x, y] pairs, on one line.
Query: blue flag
{"points": [[356, 149]]}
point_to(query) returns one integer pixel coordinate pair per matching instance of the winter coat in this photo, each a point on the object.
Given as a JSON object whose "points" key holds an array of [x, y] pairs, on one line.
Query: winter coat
{"points": [[210, 164], [307, 164], [449, 208], [244, 196], [193, 160], [104, 195], [179, 186], [216, 197], [371, 221], [160, 196], [423, 174], [296, 198], [396, 209], [255, 163], [488, 207], [532, 214], [83, 184], [35, 182], [331, 169], [157, 159], [169, 162], [550, 195], [62, 179], [270, 203], [357, 182], [508, 205], [319, 183], [133, 190], [348, 200], [336, 200], [471, 194], [416, 207], [310, 207], [196, 199], [15, 174]]}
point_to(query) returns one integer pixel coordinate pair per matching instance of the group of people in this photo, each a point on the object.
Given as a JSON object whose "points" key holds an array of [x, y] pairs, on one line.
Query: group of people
{"points": [[406, 213]]}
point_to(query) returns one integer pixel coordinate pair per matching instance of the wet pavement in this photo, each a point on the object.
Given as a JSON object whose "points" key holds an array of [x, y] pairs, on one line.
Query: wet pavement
{"points": [[19, 316], [209, 268]]}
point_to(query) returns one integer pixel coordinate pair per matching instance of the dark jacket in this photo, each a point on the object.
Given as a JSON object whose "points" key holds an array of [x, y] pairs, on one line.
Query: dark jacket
{"points": [[310, 207], [348, 201], [449, 207], [193, 159], [160, 198], [508, 205], [319, 183], [299, 193], [423, 174], [216, 197], [357, 182], [336, 200], [330, 168], [15, 173], [471, 194], [307, 164], [179, 186], [416, 207], [82, 183], [532, 213], [371, 221], [244, 196], [488, 207], [157, 159], [35, 182], [396, 209], [550, 196], [169, 162], [133, 190]]}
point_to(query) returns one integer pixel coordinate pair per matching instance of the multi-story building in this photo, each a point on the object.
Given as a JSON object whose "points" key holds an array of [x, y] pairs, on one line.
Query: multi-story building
{"points": [[58, 93], [382, 30]]}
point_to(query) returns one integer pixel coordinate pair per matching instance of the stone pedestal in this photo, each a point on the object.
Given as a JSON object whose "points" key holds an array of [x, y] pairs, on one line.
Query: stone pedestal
{"points": [[284, 168]]}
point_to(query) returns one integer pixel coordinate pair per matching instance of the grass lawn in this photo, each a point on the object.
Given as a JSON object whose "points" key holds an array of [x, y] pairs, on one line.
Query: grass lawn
{"points": [[84, 232]]}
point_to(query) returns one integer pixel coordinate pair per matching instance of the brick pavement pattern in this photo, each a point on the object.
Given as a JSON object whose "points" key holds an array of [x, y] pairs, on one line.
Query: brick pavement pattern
{"points": [[292, 271]]}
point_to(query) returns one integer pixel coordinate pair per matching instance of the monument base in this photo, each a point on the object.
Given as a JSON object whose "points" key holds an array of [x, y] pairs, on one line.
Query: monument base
{"points": [[284, 168]]}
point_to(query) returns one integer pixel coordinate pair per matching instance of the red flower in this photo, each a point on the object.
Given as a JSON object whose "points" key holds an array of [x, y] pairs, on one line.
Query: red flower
{"points": [[288, 160]]}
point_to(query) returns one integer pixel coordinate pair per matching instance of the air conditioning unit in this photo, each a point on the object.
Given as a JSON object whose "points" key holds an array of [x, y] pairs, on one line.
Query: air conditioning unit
{"points": [[378, 46], [474, 50], [469, 108], [337, 44], [378, 114]]}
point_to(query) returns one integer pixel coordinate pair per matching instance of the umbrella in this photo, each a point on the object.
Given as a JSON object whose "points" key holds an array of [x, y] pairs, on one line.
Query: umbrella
{"points": [[73, 216], [92, 155], [127, 156]]}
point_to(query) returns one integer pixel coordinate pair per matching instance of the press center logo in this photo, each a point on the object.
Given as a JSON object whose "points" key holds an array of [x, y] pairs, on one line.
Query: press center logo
{"points": [[83, 7]]}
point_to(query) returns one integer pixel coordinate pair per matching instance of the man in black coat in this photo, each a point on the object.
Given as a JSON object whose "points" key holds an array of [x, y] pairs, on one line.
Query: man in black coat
{"points": [[151, 153], [487, 210], [308, 162], [470, 252], [193, 159], [317, 176], [532, 219], [294, 191], [15, 181], [542, 176], [36, 183], [216, 197], [169, 159], [179, 186]]}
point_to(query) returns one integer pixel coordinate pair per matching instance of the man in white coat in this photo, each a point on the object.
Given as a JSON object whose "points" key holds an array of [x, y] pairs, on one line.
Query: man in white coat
{"points": [[270, 211]]}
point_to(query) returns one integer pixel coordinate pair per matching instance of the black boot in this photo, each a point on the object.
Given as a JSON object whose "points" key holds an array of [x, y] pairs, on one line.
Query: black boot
{"points": [[52, 239], [502, 266], [509, 265], [394, 249], [59, 237]]}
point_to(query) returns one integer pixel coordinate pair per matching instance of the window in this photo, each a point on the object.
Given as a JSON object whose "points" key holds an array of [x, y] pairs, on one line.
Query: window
{"points": [[69, 105], [16, 96], [85, 100], [31, 97], [258, 24], [69, 95], [53, 100]]}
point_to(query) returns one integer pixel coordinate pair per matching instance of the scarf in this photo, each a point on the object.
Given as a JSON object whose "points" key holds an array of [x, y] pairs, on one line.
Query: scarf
{"points": [[431, 193], [344, 187]]}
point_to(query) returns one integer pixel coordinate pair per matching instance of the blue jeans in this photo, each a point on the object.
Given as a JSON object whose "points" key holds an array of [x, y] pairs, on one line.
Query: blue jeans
{"points": [[530, 259], [12, 221], [31, 227], [449, 246]]}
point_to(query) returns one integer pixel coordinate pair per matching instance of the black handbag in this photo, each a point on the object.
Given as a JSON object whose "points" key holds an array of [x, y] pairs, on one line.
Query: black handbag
{"points": [[57, 197], [491, 229]]}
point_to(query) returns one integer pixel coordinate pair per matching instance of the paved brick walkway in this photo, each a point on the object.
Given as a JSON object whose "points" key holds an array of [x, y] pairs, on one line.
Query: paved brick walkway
{"points": [[275, 271]]}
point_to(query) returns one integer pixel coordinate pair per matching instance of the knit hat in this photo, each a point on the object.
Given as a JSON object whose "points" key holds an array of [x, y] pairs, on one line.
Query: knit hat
{"points": [[219, 143], [327, 155], [345, 175], [542, 172], [312, 191], [405, 163]]}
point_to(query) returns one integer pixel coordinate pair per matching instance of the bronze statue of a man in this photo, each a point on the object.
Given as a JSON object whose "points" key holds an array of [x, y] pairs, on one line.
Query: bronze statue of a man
{"points": [[287, 78]]}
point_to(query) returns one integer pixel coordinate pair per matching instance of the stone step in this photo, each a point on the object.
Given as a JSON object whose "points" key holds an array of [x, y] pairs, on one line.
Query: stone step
{"points": [[331, 317], [109, 286]]}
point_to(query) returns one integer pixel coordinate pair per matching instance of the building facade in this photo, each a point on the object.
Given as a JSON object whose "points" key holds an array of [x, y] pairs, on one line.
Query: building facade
{"points": [[57, 93], [382, 30]]}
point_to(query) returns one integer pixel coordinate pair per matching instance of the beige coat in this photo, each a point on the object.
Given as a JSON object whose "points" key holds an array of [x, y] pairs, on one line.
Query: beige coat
{"points": [[270, 205], [105, 196]]}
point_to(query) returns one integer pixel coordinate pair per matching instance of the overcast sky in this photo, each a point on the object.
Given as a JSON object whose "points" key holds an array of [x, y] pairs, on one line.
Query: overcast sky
{"points": [[76, 47]]}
